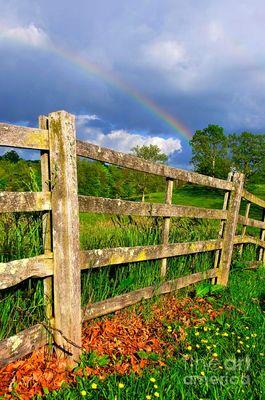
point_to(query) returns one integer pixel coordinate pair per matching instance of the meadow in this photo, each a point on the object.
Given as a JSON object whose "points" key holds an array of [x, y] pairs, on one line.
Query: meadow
{"points": [[23, 305]]}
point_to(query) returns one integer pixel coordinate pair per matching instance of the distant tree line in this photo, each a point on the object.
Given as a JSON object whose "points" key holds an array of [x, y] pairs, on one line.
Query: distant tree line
{"points": [[215, 154], [94, 178]]}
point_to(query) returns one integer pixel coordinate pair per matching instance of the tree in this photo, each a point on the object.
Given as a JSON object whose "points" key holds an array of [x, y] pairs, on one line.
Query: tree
{"points": [[210, 151], [150, 153], [11, 156], [247, 153]]}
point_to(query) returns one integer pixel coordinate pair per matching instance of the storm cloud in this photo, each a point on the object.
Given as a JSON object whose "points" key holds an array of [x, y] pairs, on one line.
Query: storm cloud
{"points": [[201, 62]]}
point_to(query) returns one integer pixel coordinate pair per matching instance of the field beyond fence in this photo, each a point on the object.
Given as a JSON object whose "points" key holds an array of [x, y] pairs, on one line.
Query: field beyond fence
{"points": [[62, 261]]}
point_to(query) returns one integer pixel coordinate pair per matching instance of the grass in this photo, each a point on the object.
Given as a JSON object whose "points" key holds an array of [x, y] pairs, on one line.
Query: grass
{"points": [[23, 305], [220, 359]]}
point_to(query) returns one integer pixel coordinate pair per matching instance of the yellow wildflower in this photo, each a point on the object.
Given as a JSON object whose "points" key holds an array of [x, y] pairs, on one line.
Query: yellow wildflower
{"points": [[198, 346], [202, 373], [204, 341], [240, 342], [152, 380], [121, 385], [247, 337], [208, 347], [220, 367], [94, 386], [148, 397], [205, 328], [155, 387], [83, 393], [238, 351], [254, 335], [254, 346], [197, 333], [156, 394], [225, 334], [189, 348], [215, 355]]}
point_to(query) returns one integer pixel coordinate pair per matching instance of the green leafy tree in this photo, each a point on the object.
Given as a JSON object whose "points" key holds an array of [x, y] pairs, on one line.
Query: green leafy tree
{"points": [[210, 151], [247, 153], [154, 154], [11, 156]]}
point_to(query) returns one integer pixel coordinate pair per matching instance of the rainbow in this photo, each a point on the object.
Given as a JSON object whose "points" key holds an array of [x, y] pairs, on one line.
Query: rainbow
{"points": [[115, 81]]}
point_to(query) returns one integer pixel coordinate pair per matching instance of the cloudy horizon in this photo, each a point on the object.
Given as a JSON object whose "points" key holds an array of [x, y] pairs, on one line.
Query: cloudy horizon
{"points": [[198, 63]]}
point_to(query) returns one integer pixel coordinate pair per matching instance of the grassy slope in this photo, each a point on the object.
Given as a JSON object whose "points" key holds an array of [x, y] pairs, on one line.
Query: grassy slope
{"points": [[237, 339]]}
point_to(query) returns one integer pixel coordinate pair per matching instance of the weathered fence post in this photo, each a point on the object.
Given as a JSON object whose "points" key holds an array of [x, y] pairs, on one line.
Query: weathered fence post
{"points": [[65, 229], [46, 221], [244, 229], [230, 229], [262, 237], [166, 224]]}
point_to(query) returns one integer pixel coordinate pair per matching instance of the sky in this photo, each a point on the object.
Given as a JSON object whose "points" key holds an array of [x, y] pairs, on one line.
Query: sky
{"points": [[135, 72]]}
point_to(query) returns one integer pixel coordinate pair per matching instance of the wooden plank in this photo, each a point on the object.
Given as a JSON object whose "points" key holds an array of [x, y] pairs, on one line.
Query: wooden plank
{"points": [[222, 224], [244, 229], [22, 344], [95, 152], [122, 255], [23, 137], [250, 222], [249, 240], [118, 302], [14, 272], [253, 199], [262, 237], [230, 229], [65, 219], [166, 224], [46, 221], [24, 201], [125, 207]]}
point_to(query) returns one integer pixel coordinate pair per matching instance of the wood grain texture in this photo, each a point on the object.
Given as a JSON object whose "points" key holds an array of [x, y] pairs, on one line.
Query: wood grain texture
{"points": [[252, 198], [65, 220], [118, 302], [95, 152], [230, 229], [14, 272], [23, 137], [122, 255], [24, 201], [125, 207], [249, 240], [245, 221], [22, 344], [166, 224], [46, 221], [262, 238]]}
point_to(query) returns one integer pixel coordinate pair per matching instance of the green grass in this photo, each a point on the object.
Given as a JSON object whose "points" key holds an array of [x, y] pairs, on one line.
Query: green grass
{"points": [[20, 237], [236, 337]]}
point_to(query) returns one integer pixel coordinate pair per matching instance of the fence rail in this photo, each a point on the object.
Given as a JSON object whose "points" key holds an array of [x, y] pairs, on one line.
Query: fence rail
{"points": [[62, 261]]}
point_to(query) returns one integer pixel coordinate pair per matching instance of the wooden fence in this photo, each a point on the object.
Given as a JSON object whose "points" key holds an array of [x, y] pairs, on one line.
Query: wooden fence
{"points": [[62, 261]]}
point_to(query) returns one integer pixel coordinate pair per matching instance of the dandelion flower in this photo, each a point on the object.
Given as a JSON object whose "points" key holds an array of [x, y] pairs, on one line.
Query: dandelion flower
{"points": [[240, 342], [254, 335], [247, 337], [155, 387], [202, 373], [148, 397], [197, 333], [225, 334], [189, 348], [205, 328], [204, 341], [198, 346], [215, 355], [152, 380], [218, 329], [94, 386], [83, 393], [239, 337], [156, 394], [220, 367], [238, 351], [208, 347], [214, 345], [121, 385]]}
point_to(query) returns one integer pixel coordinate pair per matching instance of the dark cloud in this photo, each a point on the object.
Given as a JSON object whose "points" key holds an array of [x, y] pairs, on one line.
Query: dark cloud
{"points": [[202, 62]]}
